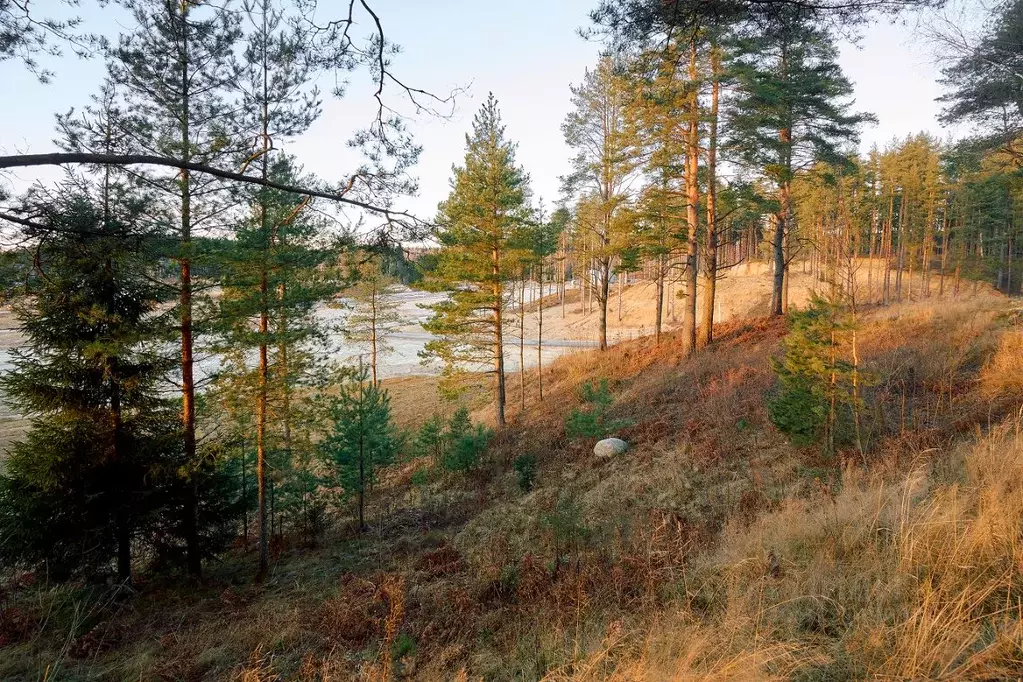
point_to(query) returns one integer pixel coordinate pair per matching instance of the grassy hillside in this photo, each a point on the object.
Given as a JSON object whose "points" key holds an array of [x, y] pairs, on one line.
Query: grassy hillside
{"points": [[713, 549]]}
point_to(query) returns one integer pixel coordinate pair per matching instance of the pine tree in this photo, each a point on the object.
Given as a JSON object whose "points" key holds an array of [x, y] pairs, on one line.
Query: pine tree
{"points": [[375, 316], [661, 105], [984, 80], [173, 72], [709, 261], [544, 238], [272, 280], [602, 133], [791, 109], [481, 247], [277, 104], [363, 438], [91, 477]]}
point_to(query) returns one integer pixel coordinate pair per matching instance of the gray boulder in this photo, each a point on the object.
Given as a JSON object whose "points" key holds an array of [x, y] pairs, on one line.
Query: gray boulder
{"points": [[610, 447]]}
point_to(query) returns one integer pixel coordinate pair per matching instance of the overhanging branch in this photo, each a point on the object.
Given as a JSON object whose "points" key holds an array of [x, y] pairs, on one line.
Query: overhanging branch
{"points": [[61, 158]]}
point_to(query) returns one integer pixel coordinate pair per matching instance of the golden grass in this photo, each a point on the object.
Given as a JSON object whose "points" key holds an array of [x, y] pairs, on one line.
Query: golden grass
{"points": [[917, 579]]}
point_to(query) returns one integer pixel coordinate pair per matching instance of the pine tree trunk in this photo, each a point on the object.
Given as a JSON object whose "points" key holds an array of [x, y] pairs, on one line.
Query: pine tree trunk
{"points": [[785, 271], [189, 503], [659, 316], [887, 250], [621, 285], [373, 332], [710, 258], [901, 248], [284, 369], [928, 245], [264, 333], [602, 296], [362, 482], [945, 228], [261, 398], [522, 343], [245, 500], [122, 523], [692, 205], [778, 244], [539, 334], [498, 294]]}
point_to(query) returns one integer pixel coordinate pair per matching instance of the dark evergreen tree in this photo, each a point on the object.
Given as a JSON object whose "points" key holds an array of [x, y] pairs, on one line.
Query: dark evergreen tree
{"points": [[984, 81], [95, 471]]}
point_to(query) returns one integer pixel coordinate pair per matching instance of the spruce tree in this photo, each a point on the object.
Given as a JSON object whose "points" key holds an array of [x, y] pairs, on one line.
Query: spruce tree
{"points": [[363, 438], [480, 232], [817, 387], [90, 479]]}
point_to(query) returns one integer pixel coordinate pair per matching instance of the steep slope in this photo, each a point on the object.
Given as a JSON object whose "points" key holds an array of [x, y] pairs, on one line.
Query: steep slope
{"points": [[713, 549]]}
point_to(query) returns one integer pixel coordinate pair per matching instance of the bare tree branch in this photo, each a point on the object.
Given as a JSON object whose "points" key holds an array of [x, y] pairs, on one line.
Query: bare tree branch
{"points": [[61, 158]]}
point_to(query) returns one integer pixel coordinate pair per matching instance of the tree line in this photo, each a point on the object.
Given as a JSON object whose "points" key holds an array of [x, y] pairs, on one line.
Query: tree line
{"points": [[705, 137]]}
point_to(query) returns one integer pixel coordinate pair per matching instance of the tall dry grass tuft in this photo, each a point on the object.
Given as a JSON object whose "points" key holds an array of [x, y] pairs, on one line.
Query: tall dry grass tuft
{"points": [[1002, 376], [915, 579]]}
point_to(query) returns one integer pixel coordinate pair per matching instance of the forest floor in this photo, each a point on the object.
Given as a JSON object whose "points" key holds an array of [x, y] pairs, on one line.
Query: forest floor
{"points": [[712, 550], [742, 292]]}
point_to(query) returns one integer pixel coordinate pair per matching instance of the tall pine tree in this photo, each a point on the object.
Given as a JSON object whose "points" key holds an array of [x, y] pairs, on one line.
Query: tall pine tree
{"points": [[173, 72], [792, 108], [481, 247]]}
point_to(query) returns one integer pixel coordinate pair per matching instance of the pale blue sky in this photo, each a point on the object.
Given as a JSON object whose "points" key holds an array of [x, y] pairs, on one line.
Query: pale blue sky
{"points": [[527, 53]]}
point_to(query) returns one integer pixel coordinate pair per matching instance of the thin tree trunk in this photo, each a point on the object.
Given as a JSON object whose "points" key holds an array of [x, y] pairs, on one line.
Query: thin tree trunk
{"points": [[522, 343], [245, 500], [946, 227], [189, 528], [362, 482], [264, 333], [122, 523], [261, 466], [710, 257], [498, 294], [373, 332], [621, 286], [692, 205], [659, 316], [778, 243], [602, 296], [539, 334]]}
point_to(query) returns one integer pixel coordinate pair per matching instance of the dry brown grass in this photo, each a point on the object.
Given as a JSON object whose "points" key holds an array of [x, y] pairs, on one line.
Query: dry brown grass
{"points": [[916, 579]]}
